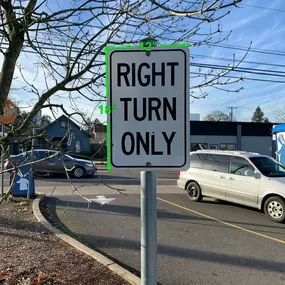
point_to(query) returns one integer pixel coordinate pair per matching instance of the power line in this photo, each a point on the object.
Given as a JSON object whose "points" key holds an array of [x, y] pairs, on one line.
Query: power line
{"points": [[236, 60], [256, 50], [262, 72], [237, 77], [195, 42], [260, 7], [51, 46]]}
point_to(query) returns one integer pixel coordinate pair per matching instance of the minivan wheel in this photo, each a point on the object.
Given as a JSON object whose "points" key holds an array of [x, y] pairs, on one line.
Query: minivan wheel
{"points": [[194, 192], [274, 208], [78, 172]]}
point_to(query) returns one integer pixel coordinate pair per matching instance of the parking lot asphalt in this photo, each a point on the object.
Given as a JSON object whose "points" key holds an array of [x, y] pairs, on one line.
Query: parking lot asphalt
{"points": [[210, 242], [116, 177]]}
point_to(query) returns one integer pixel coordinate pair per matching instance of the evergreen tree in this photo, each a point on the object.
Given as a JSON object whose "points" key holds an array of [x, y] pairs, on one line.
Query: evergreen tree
{"points": [[258, 116]]}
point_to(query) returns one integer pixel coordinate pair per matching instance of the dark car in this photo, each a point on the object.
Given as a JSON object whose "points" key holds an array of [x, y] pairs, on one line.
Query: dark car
{"points": [[54, 164]]}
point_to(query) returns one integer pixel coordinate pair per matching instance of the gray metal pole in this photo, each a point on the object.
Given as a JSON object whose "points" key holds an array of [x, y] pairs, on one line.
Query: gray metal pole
{"points": [[2, 165], [32, 166], [148, 228]]}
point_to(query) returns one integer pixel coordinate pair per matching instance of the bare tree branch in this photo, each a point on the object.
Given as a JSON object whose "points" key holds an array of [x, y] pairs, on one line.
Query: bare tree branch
{"points": [[210, 8]]}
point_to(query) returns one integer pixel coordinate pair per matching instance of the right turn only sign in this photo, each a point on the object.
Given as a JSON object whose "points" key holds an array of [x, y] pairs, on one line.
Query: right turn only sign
{"points": [[149, 98]]}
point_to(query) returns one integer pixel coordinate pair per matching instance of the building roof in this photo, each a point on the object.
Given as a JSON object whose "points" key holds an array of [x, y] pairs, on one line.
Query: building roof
{"points": [[213, 128], [68, 119]]}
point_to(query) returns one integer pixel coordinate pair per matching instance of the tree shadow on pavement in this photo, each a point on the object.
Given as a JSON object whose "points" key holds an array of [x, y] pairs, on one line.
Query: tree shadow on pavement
{"points": [[229, 206], [122, 210], [111, 246], [191, 254], [92, 179], [126, 210]]}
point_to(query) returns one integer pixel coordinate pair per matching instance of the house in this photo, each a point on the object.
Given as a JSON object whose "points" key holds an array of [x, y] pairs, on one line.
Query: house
{"points": [[245, 136], [70, 136], [99, 134]]}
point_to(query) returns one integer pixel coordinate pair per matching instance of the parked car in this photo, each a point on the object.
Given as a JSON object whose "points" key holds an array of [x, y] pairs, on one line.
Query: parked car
{"points": [[76, 167], [245, 178]]}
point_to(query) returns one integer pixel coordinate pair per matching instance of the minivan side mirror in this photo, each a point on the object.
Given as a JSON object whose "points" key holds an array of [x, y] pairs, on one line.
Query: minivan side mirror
{"points": [[257, 175], [249, 172]]}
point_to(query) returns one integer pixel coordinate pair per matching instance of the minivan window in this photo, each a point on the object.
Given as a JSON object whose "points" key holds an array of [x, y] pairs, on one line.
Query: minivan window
{"points": [[216, 162], [268, 166], [239, 166], [196, 160]]}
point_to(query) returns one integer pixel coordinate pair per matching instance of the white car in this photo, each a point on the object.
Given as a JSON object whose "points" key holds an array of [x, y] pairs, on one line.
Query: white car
{"points": [[245, 178]]}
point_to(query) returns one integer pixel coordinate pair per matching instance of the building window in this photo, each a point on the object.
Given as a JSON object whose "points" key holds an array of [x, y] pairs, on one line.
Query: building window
{"points": [[63, 124], [213, 146], [77, 147], [227, 146], [198, 146]]}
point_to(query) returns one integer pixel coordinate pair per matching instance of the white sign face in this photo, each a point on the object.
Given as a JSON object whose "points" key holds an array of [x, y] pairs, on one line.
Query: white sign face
{"points": [[149, 99]]}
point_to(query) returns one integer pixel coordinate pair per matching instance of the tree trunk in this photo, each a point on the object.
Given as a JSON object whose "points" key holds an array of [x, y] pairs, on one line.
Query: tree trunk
{"points": [[8, 66]]}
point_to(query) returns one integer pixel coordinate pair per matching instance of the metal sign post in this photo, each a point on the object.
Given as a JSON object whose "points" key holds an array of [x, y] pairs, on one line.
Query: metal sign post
{"points": [[2, 164], [37, 122], [32, 166], [148, 228]]}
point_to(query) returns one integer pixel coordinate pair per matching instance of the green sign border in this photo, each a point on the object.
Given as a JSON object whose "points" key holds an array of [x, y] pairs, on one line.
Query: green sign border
{"points": [[106, 51]]}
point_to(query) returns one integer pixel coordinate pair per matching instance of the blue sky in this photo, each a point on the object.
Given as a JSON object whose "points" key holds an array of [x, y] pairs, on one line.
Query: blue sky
{"points": [[263, 26], [266, 29]]}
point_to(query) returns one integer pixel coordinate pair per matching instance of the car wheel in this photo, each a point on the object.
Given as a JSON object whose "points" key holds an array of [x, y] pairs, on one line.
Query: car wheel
{"points": [[194, 192], [78, 172], [274, 208]]}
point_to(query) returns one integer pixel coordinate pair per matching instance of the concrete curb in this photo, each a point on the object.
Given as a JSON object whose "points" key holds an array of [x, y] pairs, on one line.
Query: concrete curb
{"points": [[114, 267]]}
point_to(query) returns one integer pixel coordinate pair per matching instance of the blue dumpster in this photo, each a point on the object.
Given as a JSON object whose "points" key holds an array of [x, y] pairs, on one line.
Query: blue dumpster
{"points": [[278, 133], [23, 181]]}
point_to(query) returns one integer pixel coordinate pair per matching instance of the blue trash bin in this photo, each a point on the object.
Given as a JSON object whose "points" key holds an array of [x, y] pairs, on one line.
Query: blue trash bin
{"points": [[22, 183], [279, 138]]}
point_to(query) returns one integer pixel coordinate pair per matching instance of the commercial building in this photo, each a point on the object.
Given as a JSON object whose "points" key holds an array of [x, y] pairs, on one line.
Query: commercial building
{"points": [[254, 137]]}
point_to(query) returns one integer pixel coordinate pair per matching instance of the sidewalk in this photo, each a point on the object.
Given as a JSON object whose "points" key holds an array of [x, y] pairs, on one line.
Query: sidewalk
{"points": [[100, 189]]}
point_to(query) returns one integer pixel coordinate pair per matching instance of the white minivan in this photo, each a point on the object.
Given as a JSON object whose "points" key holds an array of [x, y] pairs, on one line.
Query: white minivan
{"points": [[245, 178]]}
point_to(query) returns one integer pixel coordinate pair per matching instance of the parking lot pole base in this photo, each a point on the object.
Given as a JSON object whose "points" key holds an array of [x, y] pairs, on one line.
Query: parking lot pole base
{"points": [[148, 228], [2, 174], [29, 191]]}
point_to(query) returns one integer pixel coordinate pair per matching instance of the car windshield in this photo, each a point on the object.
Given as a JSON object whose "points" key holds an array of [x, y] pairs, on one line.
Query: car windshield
{"points": [[269, 166]]}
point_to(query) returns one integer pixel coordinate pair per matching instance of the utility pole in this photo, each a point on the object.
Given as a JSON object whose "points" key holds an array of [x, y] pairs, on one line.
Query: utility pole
{"points": [[232, 112]]}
